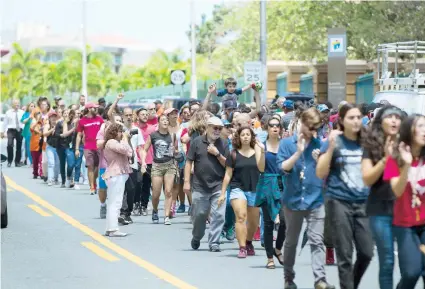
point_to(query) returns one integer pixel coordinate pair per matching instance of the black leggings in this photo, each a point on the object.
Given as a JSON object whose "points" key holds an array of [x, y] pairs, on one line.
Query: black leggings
{"points": [[268, 231]]}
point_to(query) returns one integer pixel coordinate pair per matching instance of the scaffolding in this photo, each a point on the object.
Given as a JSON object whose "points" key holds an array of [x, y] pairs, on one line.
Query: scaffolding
{"points": [[415, 81]]}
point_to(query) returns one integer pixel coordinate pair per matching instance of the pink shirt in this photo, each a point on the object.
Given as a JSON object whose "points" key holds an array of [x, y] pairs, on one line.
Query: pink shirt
{"points": [[90, 127], [116, 155], [101, 136], [146, 131]]}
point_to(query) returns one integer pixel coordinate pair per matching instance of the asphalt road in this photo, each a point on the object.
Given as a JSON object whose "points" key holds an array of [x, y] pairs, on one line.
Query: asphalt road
{"points": [[55, 240]]}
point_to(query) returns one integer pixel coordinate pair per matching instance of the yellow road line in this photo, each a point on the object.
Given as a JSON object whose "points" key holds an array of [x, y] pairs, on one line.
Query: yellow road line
{"points": [[102, 240], [39, 210], [99, 251]]}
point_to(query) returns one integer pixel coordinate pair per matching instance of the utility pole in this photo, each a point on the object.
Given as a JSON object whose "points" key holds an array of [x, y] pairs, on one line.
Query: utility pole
{"points": [[263, 48], [193, 79], [84, 53]]}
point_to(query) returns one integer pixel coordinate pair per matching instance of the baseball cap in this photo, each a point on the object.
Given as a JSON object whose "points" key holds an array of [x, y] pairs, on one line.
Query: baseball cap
{"points": [[288, 104], [215, 121], [323, 108], [230, 103], [157, 101], [91, 105], [170, 110]]}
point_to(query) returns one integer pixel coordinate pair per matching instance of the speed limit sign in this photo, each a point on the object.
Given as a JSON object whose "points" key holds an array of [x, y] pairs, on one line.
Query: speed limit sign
{"points": [[178, 77]]}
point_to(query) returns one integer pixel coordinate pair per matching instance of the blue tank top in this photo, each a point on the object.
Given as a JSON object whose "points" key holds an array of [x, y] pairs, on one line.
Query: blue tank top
{"points": [[271, 165]]}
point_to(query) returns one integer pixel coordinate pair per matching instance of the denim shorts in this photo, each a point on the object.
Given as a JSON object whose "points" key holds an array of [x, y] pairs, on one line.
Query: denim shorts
{"points": [[102, 183], [249, 197]]}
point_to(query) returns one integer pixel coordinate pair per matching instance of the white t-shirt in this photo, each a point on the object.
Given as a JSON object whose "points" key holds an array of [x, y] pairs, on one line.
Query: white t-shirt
{"points": [[136, 141]]}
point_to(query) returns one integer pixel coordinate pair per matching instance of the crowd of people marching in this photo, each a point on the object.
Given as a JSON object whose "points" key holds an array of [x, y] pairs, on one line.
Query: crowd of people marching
{"points": [[355, 174]]}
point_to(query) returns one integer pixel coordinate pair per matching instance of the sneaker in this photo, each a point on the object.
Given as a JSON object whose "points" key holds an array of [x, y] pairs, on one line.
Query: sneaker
{"points": [[128, 219], [167, 221], [57, 183], [323, 285], [215, 248], [144, 211], [35, 177], [330, 256], [189, 211], [76, 187], [230, 234], [257, 235], [9, 165], [72, 184], [242, 253], [195, 244], [290, 285], [63, 186], [50, 183], [136, 210], [181, 209], [116, 234], [155, 217], [85, 182], [103, 212], [250, 249], [92, 192], [68, 183], [122, 220]]}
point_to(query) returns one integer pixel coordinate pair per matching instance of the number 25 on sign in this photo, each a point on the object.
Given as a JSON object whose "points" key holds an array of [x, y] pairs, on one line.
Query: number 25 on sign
{"points": [[252, 71]]}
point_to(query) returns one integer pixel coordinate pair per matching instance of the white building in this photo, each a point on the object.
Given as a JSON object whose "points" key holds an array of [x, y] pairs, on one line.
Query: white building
{"points": [[125, 51]]}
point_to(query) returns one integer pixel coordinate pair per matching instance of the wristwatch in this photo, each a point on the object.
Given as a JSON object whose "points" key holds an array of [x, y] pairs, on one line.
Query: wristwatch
{"points": [[217, 155]]}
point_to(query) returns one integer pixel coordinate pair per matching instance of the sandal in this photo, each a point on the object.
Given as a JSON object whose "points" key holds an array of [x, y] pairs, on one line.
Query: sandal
{"points": [[270, 265], [278, 257]]}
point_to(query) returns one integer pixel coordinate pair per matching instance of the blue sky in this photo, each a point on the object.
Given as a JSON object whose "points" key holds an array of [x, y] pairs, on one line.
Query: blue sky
{"points": [[157, 23]]}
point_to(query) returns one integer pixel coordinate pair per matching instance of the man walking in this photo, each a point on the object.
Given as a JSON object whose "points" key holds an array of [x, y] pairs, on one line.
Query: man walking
{"points": [[302, 198], [206, 153], [13, 127]]}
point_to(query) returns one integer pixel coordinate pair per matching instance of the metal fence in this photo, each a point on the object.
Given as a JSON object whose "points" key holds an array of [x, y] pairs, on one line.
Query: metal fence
{"points": [[306, 84], [282, 83], [182, 91], [365, 88]]}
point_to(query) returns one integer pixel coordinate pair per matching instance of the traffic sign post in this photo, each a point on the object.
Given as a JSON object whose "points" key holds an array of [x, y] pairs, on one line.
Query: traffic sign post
{"points": [[253, 72], [178, 77]]}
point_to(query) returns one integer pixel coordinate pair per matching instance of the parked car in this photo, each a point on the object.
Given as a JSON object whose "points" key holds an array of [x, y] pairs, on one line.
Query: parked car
{"points": [[4, 221], [3, 142]]}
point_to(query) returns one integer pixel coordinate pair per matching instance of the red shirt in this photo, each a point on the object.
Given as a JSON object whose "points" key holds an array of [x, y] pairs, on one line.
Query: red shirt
{"points": [[404, 214], [153, 121], [146, 131], [90, 127]]}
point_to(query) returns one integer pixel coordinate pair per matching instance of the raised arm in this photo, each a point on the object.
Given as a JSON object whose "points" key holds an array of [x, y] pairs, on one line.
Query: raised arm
{"points": [[254, 113], [211, 89], [113, 107]]}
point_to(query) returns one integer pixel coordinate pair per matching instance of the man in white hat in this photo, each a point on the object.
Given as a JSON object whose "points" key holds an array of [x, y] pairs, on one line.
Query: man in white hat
{"points": [[206, 153]]}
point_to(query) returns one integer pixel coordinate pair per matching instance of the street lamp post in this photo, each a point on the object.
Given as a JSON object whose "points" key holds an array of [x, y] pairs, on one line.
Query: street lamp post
{"points": [[193, 80], [263, 47], [84, 52]]}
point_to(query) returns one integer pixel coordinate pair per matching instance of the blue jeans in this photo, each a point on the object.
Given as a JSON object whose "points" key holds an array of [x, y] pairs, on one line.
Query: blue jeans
{"points": [[73, 163], [230, 214], [410, 258], [382, 232], [52, 163]]}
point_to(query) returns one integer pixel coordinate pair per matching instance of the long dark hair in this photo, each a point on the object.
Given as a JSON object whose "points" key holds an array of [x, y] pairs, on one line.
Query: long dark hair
{"points": [[374, 140], [407, 134], [236, 142], [342, 112]]}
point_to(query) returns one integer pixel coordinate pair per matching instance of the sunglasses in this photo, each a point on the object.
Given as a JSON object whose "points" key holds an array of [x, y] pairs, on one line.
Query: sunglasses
{"points": [[274, 125], [128, 114], [217, 128], [314, 127], [228, 126]]}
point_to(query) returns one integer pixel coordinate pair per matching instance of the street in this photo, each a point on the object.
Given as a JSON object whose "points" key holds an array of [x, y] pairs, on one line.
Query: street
{"points": [[55, 240]]}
